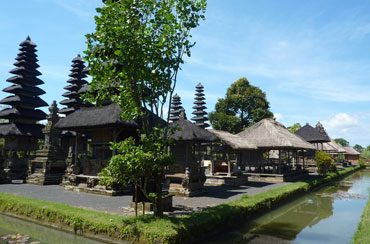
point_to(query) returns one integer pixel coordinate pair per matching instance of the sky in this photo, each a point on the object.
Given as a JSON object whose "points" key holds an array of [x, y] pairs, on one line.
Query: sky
{"points": [[311, 58]]}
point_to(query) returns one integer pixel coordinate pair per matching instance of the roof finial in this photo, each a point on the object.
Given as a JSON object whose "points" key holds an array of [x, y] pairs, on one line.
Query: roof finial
{"points": [[28, 38]]}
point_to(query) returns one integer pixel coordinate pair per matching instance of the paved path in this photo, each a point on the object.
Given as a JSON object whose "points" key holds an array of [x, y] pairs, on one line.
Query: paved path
{"points": [[213, 196]]}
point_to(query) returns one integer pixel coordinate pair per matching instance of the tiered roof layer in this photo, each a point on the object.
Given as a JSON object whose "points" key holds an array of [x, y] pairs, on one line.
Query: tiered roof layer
{"points": [[22, 115], [73, 101], [200, 115]]}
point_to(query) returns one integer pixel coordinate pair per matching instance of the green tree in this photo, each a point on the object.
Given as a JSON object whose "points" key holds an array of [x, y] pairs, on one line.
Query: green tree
{"points": [[366, 153], [324, 162], [134, 57], [243, 105], [342, 141], [295, 127], [358, 148]]}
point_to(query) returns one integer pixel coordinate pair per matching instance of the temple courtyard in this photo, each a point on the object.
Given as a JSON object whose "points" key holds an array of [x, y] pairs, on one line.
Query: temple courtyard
{"points": [[213, 195]]}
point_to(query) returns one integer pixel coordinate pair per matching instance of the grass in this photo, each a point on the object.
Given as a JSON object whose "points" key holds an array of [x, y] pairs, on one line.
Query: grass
{"points": [[362, 235], [147, 229]]}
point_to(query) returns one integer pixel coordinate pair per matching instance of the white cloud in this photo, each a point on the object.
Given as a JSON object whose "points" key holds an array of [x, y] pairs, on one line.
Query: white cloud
{"points": [[340, 122], [278, 116]]}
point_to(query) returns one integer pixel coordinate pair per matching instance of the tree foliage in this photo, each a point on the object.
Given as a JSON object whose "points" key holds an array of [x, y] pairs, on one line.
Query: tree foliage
{"points": [[366, 153], [342, 141], [324, 162], [134, 57], [358, 148], [295, 127], [243, 105]]}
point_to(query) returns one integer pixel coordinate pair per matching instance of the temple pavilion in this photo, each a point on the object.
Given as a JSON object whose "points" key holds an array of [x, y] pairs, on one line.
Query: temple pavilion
{"points": [[268, 135], [316, 136]]}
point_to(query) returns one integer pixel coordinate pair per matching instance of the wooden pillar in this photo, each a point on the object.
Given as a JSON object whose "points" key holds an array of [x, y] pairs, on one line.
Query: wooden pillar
{"points": [[76, 147], [303, 167], [279, 168]]}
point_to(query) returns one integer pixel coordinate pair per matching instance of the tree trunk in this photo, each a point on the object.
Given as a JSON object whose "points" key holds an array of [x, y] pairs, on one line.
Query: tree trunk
{"points": [[158, 205], [136, 199]]}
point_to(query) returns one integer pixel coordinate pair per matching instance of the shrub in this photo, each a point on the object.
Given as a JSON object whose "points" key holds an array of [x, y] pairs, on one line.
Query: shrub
{"points": [[361, 162], [324, 163]]}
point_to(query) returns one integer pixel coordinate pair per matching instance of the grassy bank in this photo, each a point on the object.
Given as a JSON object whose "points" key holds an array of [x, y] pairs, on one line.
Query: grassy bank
{"points": [[362, 235], [147, 229]]}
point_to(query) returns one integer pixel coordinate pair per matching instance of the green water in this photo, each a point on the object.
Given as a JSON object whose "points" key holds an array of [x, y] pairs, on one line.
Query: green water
{"points": [[329, 215], [37, 233]]}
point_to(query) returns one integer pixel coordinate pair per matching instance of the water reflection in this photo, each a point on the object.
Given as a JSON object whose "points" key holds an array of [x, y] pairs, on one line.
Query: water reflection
{"points": [[329, 215], [37, 233]]}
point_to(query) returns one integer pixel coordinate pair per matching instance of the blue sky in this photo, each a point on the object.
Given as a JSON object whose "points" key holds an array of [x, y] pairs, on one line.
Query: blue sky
{"points": [[310, 57]]}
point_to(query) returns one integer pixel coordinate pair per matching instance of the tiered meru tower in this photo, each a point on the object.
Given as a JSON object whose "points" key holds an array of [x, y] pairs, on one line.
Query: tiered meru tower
{"points": [[176, 111], [73, 101], [21, 130], [200, 115]]}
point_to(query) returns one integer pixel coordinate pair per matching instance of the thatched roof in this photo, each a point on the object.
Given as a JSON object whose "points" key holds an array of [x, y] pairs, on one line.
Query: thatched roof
{"points": [[339, 148], [101, 117], [95, 117], [15, 129], [270, 134], [351, 151], [191, 132], [234, 141], [328, 147], [311, 134]]}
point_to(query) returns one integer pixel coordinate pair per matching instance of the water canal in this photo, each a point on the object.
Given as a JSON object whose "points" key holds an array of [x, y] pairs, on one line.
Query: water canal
{"points": [[328, 215], [13, 230]]}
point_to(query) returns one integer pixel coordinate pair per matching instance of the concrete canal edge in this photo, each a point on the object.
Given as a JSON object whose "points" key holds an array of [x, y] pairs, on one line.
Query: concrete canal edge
{"points": [[146, 229]]}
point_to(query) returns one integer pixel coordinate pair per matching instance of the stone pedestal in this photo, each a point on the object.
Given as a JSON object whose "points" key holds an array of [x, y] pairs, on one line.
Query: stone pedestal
{"points": [[4, 178], [189, 184], [17, 167], [49, 165], [46, 169]]}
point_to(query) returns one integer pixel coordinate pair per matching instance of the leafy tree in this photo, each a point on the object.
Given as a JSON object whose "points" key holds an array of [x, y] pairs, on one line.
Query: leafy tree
{"points": [[295, 127], [358, 148], [134, 57], [324, 162], [366, 153], [243, 105], [342, 141]]}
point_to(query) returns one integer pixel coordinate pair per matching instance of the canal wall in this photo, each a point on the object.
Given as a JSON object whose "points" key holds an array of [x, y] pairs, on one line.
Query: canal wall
{"points": [[148, 229]]}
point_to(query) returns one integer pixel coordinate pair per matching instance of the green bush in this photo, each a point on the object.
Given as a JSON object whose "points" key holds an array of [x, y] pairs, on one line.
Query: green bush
{"points": [[361, 162], [324, 163]]}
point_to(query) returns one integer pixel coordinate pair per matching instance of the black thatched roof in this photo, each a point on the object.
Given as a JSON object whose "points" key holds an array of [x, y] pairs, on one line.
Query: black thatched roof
{"points": [[312, 135], [94, 117], [97, 117], [191, 132], [13, 129], [22, 115]]}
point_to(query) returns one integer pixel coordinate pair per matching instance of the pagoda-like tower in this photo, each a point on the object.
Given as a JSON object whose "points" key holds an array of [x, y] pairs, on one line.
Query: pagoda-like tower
{"points": [[21, 129], [78, 73], [176, 108], [200, 116]]}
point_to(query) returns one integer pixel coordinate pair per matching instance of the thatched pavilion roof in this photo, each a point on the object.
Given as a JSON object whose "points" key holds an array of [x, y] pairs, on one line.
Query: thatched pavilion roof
{"points": [[329, 148], [351, 151], [191, 132], [15, 129], [311, 134], [95, 117], [270, 134], [339, 148], [234, 141], [105, 116]]}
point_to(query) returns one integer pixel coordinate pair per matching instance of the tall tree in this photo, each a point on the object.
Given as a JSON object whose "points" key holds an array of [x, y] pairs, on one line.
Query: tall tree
{"points": [[342, 141], [295, 127], [358, 148], [243, 105], [134, 57]]}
